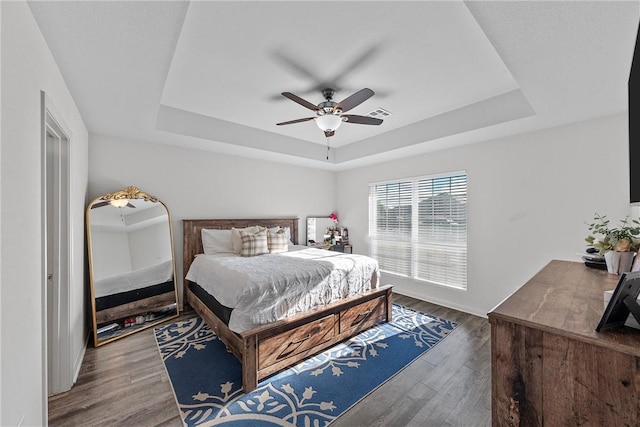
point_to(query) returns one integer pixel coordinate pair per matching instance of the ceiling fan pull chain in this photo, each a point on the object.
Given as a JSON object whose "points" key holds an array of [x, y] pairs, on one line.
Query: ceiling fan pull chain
{"points": [[328, 147]]}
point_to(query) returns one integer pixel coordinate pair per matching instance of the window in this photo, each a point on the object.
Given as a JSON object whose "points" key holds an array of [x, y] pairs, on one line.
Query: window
{"points": [[418, 228]]}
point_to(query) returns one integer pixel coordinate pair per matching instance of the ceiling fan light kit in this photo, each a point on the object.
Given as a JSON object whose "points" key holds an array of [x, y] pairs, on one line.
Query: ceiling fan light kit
{"points": [[329, 122]]}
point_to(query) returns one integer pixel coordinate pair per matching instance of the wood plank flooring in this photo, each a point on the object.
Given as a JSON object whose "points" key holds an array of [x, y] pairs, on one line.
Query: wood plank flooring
{"points": [[125, 383]]}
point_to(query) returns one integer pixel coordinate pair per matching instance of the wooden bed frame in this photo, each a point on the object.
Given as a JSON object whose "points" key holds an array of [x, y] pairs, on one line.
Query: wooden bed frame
{"points": [[267, 349]]}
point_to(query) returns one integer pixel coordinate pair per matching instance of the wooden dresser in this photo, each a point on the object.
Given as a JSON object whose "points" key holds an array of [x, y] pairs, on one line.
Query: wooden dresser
{"points": [[549, 366]]}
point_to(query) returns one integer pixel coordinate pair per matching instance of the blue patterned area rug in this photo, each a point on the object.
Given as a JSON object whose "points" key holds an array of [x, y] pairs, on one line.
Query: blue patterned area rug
{"points": [[207, 379]]}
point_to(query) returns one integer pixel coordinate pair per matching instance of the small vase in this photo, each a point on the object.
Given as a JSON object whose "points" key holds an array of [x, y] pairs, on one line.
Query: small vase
{"points": [[619, 262]]}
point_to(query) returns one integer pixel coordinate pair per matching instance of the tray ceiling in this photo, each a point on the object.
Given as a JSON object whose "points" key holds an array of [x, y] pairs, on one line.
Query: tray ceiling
{"points": [[209, 74]]}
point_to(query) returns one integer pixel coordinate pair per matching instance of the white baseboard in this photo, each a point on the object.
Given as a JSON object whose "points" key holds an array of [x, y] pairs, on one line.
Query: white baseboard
{"points": [[77, 364], [448, 304]]}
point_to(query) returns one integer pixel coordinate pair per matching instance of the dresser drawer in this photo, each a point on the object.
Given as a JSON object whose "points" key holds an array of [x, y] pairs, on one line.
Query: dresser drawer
{"points": [[362, 316], [284, 345]]}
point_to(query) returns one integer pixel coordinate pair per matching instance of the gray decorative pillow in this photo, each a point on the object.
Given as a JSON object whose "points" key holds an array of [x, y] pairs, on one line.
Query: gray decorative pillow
{"points": [[254, 243], [277, 242]]}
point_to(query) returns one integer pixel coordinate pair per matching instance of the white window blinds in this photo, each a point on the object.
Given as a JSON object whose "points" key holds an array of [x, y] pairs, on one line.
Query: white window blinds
{"points": [[418, 228]]}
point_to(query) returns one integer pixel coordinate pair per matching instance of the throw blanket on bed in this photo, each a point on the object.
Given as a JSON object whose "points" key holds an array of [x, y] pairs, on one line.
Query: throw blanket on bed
{"points": [[262, 289]]}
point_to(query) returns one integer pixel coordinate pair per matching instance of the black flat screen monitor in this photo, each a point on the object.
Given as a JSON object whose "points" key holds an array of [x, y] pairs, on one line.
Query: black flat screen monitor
{"points": [[634, 125], [622, 303]]}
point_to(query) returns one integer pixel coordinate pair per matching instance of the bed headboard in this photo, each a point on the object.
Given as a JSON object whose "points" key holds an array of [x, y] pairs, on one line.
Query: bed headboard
{"points": [[192, 229]]}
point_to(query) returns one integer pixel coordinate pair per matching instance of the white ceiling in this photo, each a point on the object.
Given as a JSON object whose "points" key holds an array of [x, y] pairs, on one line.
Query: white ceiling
{"points": [[208, 74]]}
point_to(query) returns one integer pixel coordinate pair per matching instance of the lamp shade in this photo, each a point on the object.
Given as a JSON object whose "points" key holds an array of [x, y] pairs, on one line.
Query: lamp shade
{"points": [[329, 122]]}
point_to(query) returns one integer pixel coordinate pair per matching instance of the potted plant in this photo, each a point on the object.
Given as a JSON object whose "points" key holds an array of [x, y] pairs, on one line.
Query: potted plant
{"points": [[617, 244]]}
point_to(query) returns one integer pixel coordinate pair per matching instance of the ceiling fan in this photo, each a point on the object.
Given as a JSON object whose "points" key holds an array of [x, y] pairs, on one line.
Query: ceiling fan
{"points": [[329, 114], [118, 203]]}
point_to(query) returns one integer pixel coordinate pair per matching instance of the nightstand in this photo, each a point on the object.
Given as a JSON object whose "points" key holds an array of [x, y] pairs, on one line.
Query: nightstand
{"points": [[347, 249]]}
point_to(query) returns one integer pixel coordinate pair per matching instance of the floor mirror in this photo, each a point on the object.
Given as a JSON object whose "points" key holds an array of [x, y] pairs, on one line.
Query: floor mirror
{"points": [[131, 264]]}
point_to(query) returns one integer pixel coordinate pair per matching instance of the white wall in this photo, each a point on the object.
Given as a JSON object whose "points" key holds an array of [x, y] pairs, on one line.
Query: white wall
{"points": [[202, 184], [110, 253], [1, 379], [149, 245], [27, 68], [528, 199]]}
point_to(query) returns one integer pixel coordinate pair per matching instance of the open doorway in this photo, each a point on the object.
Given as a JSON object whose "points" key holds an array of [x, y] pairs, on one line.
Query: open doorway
{"points": [[56, 251]]}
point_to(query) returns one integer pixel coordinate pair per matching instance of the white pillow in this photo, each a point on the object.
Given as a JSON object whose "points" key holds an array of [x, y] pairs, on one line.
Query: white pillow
{"points": [[236, 240], [216, 241]]}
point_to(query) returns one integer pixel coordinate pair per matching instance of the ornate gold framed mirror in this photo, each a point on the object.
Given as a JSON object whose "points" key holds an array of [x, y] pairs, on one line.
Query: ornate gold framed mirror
{"points": [[131, 264]]}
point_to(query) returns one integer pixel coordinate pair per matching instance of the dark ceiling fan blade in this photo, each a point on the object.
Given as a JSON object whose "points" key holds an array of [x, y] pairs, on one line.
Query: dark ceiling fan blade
{"points": [[290, 122], [304, 103], [354, 100], [362, 120], [329, 133], [100, 204]]}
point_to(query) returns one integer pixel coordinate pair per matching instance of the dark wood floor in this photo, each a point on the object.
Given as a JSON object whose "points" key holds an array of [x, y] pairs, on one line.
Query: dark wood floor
{"points": [[124, 383]]}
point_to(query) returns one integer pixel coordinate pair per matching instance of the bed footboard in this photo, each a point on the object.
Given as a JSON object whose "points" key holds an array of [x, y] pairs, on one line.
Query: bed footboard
{"points": [[270, 348]]}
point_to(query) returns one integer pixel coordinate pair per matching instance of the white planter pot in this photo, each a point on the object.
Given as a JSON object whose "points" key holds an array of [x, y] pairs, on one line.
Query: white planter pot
{"points": [[619, 262]]}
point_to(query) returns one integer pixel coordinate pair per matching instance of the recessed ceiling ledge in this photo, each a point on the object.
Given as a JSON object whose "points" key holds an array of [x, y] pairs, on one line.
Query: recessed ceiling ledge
{"points": [[187, 123], [502, 108]]}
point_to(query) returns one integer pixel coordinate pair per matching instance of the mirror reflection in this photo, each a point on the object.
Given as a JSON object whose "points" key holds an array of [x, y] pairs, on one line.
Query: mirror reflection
{"points": [[319, 231], [131, 263]]}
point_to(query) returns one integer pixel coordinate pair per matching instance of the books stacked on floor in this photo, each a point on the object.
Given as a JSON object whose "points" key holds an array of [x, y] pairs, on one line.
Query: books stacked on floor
{"points": [[593, 259], [107, 328]]}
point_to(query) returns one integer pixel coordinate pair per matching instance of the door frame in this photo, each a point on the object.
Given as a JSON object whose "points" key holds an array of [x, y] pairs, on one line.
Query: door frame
{"points": [[57, 350]]}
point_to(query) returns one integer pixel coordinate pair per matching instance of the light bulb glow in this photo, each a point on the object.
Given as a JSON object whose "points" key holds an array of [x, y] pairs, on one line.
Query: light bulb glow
{"points": [[329, 122], [119, 203]]}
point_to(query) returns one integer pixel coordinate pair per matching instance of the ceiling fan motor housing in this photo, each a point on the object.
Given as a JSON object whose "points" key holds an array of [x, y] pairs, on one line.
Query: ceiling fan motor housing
{"points": [[328, 93], [327, 107]]}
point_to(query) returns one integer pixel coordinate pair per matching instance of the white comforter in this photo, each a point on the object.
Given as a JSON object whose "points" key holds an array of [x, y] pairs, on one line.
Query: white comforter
{"points": [[266, 288], [141, 278]]}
